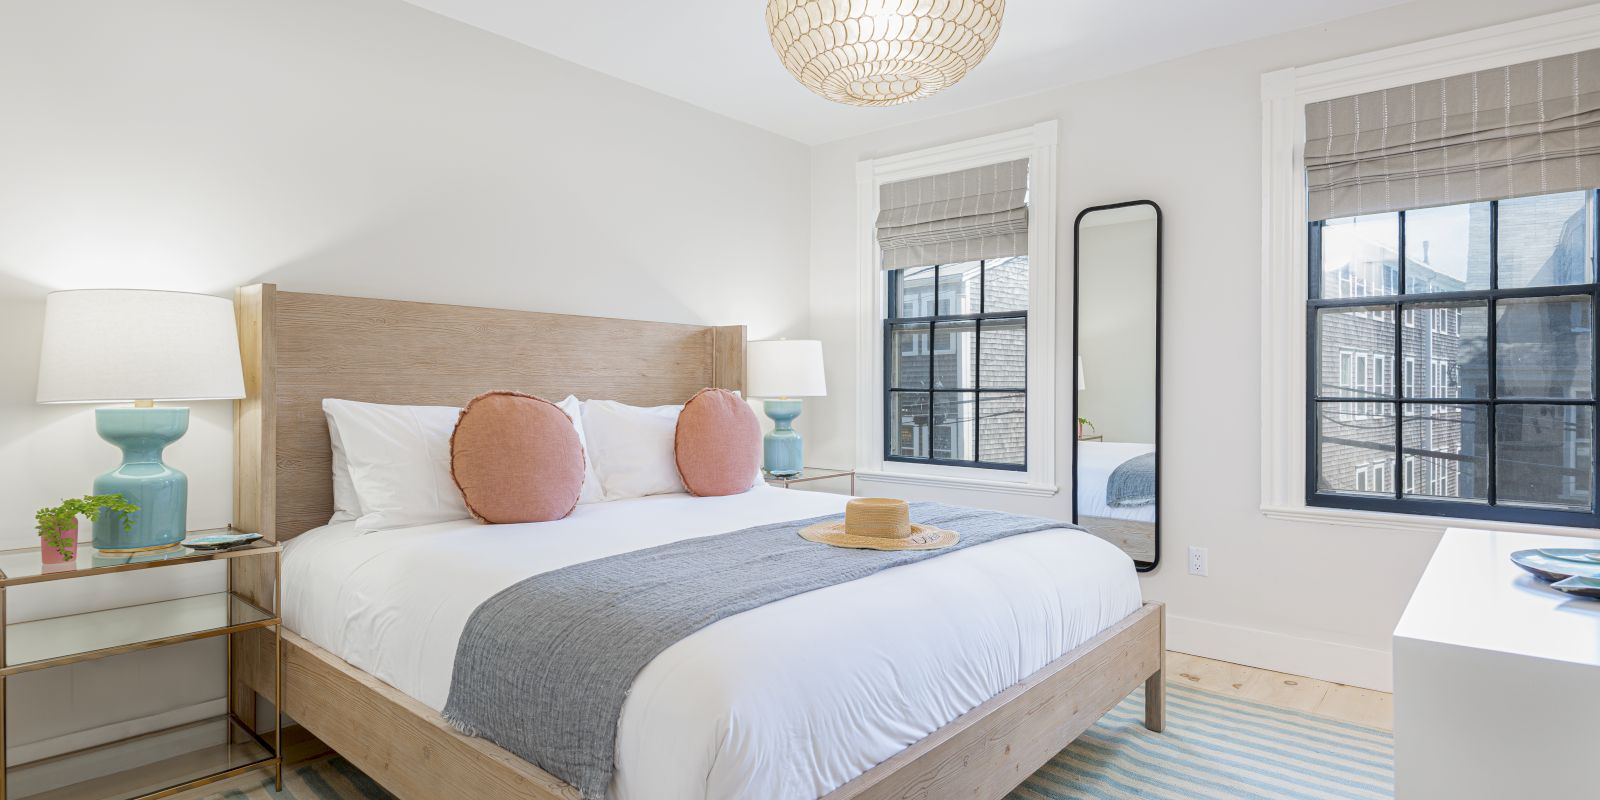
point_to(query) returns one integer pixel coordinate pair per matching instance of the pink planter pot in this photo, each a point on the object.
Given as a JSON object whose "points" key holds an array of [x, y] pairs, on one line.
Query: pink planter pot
{"points": [[50, 556]]}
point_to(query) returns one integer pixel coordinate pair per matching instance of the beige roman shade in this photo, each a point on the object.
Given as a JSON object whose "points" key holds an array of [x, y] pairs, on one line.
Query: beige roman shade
{"points": [[1526, 129], [958, 216]]}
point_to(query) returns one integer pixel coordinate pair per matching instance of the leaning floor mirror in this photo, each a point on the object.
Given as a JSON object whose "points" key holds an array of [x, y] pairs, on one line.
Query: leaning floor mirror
{"points": [[1117, 354]]}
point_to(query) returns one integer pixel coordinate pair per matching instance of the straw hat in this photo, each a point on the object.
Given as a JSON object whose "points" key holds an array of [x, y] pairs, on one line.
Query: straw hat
{"points": [[879, 523]]}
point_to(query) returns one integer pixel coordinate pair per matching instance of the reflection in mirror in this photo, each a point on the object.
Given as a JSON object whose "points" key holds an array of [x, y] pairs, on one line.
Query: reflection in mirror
{"points": [[1117, 317]]}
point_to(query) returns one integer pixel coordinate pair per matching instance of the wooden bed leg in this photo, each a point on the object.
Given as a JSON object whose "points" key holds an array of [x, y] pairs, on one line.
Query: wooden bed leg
{"points": [[1155, 686], [1155, 702]]}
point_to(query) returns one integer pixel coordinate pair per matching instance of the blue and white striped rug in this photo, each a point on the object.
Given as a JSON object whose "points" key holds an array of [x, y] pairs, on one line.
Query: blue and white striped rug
{"points": [[1215, 746], [1218, 746]]}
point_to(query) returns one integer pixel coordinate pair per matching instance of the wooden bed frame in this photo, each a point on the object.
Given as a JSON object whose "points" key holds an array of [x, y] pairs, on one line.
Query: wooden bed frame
{"points": [[301, 348]]}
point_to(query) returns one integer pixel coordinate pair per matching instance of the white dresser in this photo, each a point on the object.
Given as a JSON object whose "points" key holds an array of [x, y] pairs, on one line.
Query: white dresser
{"points": [[1496, 678]]}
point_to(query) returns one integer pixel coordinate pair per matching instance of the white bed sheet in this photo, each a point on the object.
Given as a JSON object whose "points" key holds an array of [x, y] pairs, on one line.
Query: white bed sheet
{"points": [[789, 700], [1096, 462]]}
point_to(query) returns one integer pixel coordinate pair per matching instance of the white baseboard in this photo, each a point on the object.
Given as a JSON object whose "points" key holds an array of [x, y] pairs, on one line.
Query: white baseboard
{"points": [[1282, 652]]}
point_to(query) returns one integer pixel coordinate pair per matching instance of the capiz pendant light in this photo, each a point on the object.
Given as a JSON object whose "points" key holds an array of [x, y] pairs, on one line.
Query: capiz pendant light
{"points": [[882, 52]]}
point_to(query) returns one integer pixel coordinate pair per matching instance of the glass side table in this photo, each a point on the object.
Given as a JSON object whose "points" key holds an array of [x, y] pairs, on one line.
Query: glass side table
{"points": [[807, 474], [203, 751]]}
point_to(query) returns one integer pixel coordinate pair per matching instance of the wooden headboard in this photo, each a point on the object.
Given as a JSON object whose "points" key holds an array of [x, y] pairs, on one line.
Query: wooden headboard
{"points": [[301, 348]]}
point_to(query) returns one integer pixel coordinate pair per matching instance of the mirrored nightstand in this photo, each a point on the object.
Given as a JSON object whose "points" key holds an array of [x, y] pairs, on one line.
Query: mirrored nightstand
{"points": [[809, 474], [163, 762]]}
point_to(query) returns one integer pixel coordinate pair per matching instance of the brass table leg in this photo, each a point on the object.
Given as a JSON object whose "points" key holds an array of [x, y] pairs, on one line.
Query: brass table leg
{"points": [[277, 665], [3, 725]]}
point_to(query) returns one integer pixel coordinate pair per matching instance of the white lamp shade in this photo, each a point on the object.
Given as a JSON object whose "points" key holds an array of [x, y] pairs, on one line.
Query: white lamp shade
{"points": [[785, 368], [1081, 384], [117, 345]]}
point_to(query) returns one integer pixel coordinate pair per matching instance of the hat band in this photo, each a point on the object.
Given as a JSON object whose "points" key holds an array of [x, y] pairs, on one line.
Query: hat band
{"points": [[878, 531]]}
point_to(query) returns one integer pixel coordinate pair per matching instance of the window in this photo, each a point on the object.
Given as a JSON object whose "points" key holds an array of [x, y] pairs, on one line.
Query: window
{"points": [[920, 301], [956, 366], [1385, 383], [1328, 153], [1494, 413]]}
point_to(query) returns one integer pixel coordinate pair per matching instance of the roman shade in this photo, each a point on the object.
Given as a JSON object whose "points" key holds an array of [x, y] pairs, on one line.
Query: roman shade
{"points": [[958, 216], [1525, 129]]}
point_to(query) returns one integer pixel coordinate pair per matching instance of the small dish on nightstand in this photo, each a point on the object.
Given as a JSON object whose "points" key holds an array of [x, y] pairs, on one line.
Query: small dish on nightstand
{"points": [[219, 541], [1580, 586]]}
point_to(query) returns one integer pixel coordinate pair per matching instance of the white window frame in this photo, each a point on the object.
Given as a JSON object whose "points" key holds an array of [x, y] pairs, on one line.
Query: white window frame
{"points": [[1039, 144], [1380, 477], [922, 309], [1363, 384], [1284, 268], [1383, 367]]}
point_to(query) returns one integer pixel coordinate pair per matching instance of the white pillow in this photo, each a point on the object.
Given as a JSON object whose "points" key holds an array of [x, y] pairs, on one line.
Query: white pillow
{"points": [[591, 493], [399, 462], [632, 448], [346, 505]]}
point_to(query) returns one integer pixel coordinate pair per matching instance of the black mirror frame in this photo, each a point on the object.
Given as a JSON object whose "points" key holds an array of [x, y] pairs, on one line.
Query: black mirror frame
{"points": [[1077, 229]]}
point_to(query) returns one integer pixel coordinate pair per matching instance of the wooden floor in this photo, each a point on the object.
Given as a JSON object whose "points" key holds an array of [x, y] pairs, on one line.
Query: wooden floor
{"points": [[1137, 539], [1336, 700], [1363, 706]]}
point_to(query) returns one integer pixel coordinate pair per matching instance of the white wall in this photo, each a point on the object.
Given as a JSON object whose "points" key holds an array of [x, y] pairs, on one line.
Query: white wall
{"points": [[362, 147], [369, 147], [1314, 600], [1117, 329]]}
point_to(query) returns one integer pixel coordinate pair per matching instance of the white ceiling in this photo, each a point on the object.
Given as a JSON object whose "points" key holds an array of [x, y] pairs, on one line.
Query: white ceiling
{"points": [[715, 53]]}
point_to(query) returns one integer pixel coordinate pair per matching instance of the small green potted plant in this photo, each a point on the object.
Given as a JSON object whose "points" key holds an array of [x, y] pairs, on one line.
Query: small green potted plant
{"points": [[58, 525], [1083, 422]]}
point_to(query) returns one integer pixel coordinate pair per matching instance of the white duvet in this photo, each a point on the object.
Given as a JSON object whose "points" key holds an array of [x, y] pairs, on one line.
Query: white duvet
{"points": [[789, 700]]}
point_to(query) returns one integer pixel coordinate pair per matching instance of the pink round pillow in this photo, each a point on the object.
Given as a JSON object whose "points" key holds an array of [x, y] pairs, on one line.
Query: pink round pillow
{"points": [[516, 458], [717, 444]]}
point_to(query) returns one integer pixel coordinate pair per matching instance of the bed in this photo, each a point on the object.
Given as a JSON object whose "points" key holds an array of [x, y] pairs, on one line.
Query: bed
{"points": [[983, 693], [1097, 461]]}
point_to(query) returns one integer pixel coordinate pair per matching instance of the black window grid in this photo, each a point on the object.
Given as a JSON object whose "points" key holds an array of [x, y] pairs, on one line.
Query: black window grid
{"points": [[893, 321], [1398, 502]]}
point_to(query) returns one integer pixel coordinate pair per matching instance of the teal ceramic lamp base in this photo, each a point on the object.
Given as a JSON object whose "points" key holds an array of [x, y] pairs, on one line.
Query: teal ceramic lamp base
{"points": [[160, 492], [782, 449]]}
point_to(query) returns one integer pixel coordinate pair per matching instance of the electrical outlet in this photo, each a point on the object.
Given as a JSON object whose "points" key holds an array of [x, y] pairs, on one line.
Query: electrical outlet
{"points": [[1199, 560]]}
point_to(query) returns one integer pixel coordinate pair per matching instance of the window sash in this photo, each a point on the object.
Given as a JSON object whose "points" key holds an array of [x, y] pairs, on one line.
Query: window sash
{"points": [[924, 449], [1442, 319]]}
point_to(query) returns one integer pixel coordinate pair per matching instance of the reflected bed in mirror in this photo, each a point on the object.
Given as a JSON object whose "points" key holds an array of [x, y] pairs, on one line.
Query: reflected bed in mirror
{"points": [[1117, 319]]}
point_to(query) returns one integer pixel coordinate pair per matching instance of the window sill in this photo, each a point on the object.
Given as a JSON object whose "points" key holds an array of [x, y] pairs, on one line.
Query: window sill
{"points": [[952, 482], [1410, 523]]}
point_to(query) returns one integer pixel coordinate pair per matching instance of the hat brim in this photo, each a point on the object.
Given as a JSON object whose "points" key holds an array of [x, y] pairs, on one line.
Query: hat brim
{"points": [[923, 537]]}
